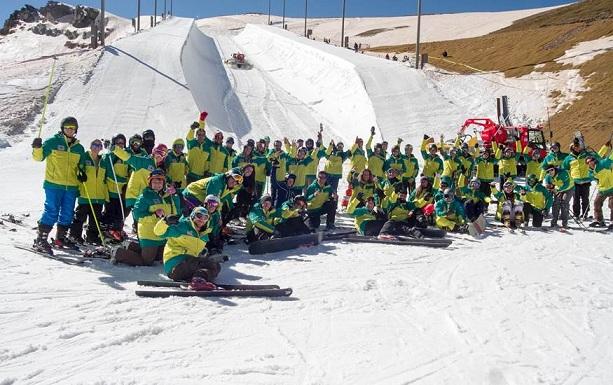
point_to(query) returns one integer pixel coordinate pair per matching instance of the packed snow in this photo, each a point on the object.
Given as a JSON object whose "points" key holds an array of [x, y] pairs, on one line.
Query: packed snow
{"points": [[586, 51], [507, 309]]}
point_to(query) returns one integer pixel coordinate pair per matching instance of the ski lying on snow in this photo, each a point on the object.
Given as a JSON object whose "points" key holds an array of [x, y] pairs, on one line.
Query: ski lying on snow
{"points": [[401, 241], [220, 285], [64, 258], [183, 292], [297, 241]]}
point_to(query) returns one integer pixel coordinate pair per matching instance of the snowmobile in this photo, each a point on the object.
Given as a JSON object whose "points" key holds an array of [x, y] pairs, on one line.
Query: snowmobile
{"points": [[238, 61]]}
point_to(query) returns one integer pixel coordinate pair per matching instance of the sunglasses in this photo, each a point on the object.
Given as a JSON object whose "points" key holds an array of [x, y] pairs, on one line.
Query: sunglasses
{"points": [[212, 203], [201, 215], [96, 145], [120, 143], [135, 143]]}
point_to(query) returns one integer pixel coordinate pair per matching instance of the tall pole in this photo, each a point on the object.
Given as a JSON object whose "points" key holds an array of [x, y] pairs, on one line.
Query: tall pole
{"points": [[155, 13], [418, 30], [343, 27], [138, 15], [268, 12], [306, 9], [283, 25], [164, 16], [171, 12], [102, 28]]}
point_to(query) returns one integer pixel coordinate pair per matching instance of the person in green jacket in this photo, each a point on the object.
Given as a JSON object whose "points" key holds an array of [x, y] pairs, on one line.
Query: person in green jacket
{"points": [[537, 200], [475, 201], [396, 161], [484, 165], [62, 153], [368, 219], [510, 205], [262, 220], [602, 171], [553, 158], [376, 158], [450, 213], [185, 252], [219, 184], [321, 201], [358, 156], [561, 185], [93, 193], [579, 171], [293, 214], [158, 200], [277, 158]]}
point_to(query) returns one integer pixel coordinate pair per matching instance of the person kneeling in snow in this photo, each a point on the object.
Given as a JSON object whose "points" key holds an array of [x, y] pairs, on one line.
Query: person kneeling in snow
{"points": [[262, 219], [450, 213], [510, 205], [185, 250], [293, 213]]}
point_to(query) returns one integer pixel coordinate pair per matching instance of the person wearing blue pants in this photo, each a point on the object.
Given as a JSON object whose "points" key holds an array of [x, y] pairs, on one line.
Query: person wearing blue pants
{"points": [[62, 154]]}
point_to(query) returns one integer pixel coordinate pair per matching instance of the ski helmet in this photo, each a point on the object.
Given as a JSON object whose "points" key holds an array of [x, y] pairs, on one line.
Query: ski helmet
{"points": [[235, 175], [532, 180], [199, 212], [158, 173], [265, 198], [70, 121], [211, 200], [432, 146], [136, 139], [148, 135], [117, 137], [448, 195], [290, 176], [555, 146], [507, 184], [300, 198], [475, 183]]}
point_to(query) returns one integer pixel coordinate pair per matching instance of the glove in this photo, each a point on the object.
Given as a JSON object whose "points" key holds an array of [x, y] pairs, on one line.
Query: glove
{"points": [[426, 137], [37, 143], [107, 143], [194, 125], [81, 176], [372, 131], [171, 220], [171, 189], [203, 115], [360, 196]]}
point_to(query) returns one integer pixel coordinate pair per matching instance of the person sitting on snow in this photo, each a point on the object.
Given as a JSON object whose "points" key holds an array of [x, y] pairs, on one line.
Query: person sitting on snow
{"points": [[369, 219], [475, 201], [293, 214], [185, 252], [262, 219], [510, 207], [321, 201], [450, 213]]}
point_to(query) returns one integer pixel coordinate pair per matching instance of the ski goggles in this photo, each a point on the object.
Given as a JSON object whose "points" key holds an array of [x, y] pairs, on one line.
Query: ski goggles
{"points": [[69, 127], [96, 145], [212, 204]]}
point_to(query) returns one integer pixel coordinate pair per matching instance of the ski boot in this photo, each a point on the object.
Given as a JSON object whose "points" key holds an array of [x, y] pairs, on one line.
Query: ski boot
{"points": [[40, 243], [598, 224], [62, 241]]}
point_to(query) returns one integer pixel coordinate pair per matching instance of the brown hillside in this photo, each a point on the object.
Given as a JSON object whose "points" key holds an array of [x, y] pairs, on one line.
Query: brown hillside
{"points": [[539, 39]]}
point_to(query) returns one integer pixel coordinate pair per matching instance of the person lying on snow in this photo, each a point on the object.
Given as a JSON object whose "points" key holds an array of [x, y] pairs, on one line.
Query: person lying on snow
{"points": [[185, 252]]}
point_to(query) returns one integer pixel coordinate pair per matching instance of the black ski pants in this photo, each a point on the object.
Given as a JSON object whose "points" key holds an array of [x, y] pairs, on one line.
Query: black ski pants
{"points": [[82, 213], [292, 226], [328, 209], [581, 199], [195, 267], [536, 214]]}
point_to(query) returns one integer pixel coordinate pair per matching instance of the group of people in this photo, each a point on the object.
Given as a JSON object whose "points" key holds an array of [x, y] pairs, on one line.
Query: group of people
{"points": [[182, 198]]}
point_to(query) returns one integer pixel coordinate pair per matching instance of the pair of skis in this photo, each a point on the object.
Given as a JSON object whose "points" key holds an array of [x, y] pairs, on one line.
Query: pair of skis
{"points": [[432, 237], [66, 256], [181, 289]]}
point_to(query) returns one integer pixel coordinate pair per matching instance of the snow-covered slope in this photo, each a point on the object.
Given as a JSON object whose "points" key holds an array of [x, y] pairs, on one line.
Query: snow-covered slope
{"points": [[381, 31]]}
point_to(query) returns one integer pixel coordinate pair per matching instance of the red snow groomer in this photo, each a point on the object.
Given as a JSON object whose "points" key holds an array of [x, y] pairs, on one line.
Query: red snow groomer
{"points": [[237, 60], [486, 131]]}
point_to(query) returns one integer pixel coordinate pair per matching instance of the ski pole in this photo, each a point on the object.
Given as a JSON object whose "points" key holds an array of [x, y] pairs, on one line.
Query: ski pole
{"points": [[42, 120], [123, 214], [91, 207]]}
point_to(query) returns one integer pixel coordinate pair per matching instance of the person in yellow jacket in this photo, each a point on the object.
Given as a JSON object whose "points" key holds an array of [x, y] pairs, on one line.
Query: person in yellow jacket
{"points": [[321, 201], [376, 157], [62, 153], [484, 165], [433, 164], [93, 193], [335, 157], [507, 160], [117, 175], [602, 171], [298, 166], [175, 164], [141, 167], [537, 200], [358, 156], [198, 152], [411, 167], [578, 169], [317, 152], [156, 201], [185, 253]]}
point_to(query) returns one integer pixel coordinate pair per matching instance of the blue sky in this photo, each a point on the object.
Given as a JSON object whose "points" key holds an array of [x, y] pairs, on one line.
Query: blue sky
{"points": [[317, 8]]}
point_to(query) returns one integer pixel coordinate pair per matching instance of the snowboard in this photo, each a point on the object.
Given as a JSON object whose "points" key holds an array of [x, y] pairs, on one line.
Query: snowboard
{"points": [[403, 241], [287, 243], [477, 228]]}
